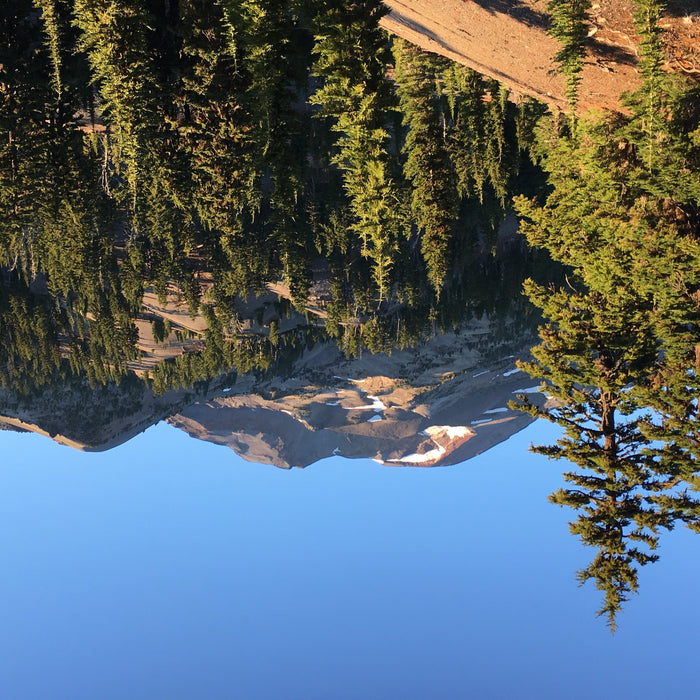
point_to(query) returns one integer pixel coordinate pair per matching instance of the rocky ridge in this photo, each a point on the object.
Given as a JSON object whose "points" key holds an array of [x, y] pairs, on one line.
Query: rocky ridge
{"points": [[436, 404]]}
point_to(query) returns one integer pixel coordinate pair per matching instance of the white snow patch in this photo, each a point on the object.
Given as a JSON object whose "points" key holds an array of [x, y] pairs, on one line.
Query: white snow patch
{"points": [[430, 456], [332, 403], [349, 379], [376, 405], [374, 419], [479, 422], [229, 389], [452, 431], [496, 410], [478, 374], [529, 390], [336, 450], [513, 371]]}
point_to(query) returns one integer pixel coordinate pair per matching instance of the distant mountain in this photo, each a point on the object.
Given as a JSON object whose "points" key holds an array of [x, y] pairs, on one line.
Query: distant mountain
{"points": [[395, 426], [439, 403]]}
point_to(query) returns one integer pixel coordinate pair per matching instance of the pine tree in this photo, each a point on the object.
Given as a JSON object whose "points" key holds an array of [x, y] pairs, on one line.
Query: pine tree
{"points": [[114, 38], [351, 60], [594, 348], [569, 26], [427, 166], [619, 349], [52, 31], [268, 40], [214, 127]]}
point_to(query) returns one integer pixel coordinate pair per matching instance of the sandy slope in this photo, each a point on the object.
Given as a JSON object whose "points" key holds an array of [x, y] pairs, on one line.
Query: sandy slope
{"points": [[507, 40]]}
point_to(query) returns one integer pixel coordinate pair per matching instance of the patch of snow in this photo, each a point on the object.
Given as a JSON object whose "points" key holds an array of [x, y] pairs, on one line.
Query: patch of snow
{"points": [[496, 410], [349, 379], [336, 450], [332, 403], [513, 371], [374, 419], [229, 389], [529, 390], [478, 374], [479, 422], [430, 456], [376, 406], [452, 431]]}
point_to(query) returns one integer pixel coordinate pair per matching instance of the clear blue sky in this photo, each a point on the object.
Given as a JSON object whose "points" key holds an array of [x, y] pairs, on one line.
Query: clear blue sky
{"points": [[170, 568]]}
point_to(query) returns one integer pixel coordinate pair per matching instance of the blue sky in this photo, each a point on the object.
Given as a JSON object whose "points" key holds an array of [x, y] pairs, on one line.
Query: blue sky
{"points": [[171, 568]]}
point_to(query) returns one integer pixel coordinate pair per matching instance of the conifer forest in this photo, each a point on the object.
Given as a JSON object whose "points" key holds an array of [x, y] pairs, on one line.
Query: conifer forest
{"points": [[199, 153]]}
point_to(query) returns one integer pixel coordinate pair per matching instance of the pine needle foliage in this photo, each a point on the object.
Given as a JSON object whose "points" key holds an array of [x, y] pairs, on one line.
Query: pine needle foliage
{"points": [[52, 31], [619, 351], [427, 164], [351, 60], [569, 25]]}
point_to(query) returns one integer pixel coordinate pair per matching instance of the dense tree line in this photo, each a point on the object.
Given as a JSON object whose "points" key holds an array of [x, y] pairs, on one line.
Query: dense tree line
{"points": [[150, 144]]}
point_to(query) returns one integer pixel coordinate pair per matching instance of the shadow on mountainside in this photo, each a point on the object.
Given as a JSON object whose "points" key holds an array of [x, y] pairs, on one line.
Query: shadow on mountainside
{"points": [[516, 9]]}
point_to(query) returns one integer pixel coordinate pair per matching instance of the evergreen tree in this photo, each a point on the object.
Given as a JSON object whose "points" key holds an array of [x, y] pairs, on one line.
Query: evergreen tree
{"points": [[351, 59], [213, 124], [114, 38], [569, 26], [52, 32], [427, 166], [594, 348], [278, 75], [619, 351]]}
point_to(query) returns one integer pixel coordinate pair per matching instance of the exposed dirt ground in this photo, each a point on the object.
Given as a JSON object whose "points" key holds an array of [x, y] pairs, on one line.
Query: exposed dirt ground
{"points": [[508, 40]]}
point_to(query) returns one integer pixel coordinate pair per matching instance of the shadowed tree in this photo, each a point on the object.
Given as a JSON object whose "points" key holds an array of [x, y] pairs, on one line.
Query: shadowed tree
{"points": [[427, 166], [351, 60]]}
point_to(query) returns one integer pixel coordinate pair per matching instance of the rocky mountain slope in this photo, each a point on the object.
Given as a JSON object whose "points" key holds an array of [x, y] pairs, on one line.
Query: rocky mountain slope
{"points": [[509, 41], [435, 404], [439, 404]]}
